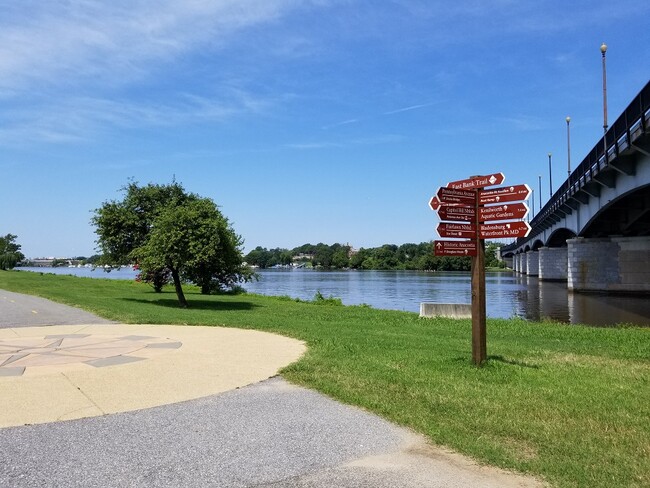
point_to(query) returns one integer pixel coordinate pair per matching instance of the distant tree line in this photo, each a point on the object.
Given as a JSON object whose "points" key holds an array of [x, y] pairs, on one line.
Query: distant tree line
{"points": [[387, 257]]}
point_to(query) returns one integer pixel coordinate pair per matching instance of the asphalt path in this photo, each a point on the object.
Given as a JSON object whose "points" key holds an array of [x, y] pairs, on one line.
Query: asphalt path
{"points": [[17, 310], [271, 434]]}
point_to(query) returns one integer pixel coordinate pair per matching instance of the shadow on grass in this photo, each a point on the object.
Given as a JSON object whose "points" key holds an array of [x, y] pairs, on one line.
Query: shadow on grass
{"points": [[196, 304]]}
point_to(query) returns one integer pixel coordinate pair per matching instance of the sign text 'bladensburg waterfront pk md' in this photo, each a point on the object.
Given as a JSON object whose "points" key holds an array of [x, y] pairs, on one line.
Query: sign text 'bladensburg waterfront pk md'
{"points": [[518, 228]]}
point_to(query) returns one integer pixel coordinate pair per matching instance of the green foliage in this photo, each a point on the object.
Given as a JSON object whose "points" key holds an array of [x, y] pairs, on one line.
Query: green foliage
{"points": [[337, 256], [10, 254], [171, 234]]}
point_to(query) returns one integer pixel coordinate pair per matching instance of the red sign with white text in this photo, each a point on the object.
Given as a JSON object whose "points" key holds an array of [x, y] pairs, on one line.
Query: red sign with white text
{"points": [[518, 228], [463, 231], [511, 211], [466, 214], [504, 194], [455, 248], [450, 195], [477, 182]]}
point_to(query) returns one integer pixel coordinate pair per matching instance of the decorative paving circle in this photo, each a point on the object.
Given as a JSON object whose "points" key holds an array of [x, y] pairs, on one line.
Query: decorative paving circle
{"points": [[67, 349]]}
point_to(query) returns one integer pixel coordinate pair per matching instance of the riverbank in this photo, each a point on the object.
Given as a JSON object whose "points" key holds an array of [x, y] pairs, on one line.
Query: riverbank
{"points": [[568, 404]]}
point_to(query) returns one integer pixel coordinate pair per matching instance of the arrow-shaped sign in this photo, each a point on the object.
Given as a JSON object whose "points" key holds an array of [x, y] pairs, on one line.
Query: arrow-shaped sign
{"points": [[455, 248], [465, 231], [505, 229], [459, 213], [450, 195], [477, 182], [503, 212], [504, 194]]}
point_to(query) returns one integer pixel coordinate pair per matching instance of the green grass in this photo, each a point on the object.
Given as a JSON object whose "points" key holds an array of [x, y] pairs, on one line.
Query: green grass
{"points": [[568, 404]]}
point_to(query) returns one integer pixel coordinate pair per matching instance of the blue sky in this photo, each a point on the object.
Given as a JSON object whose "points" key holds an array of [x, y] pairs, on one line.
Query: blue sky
{"points": [[306, 121]]}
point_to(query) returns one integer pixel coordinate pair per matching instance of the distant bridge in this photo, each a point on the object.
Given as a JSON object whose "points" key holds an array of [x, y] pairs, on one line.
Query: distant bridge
{"points": [[594, 232]]}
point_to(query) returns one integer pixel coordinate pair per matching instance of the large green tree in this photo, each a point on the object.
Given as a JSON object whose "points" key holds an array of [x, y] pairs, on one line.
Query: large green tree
{"points": [[10, 254], [164, 229]]}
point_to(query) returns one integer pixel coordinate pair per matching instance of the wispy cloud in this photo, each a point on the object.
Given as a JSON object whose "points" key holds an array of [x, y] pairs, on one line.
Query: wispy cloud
{"points": [[78, 118], [407, 109], [338, 124], [50, 44], [363, 141]]}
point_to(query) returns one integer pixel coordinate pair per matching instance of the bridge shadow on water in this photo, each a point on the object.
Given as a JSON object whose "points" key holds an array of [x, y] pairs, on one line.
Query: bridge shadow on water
{"points": [[213, 305]]}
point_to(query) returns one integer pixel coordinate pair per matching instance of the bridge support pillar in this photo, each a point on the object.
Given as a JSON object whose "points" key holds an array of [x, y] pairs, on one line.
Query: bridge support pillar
{"points": [[515, 263], [523, 263], [611, 264], [532, 263], [553, 263]]}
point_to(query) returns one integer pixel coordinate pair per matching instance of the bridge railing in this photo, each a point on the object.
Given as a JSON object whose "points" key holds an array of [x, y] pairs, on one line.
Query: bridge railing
{"points": [[630, 125]]}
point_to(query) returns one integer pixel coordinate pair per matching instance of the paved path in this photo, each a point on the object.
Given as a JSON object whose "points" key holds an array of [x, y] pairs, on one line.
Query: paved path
{"points": [[17, 310], [269, 434]]}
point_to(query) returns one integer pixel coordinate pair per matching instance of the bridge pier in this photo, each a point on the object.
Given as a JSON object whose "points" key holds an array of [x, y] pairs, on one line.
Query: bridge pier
{"points": [[516, 264], [532, 263], [523, 263], [553, 262], [609, 264]]}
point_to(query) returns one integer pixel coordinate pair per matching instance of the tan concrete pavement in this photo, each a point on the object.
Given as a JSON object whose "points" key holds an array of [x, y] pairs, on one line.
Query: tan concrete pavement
{"points": [[68, 372]]}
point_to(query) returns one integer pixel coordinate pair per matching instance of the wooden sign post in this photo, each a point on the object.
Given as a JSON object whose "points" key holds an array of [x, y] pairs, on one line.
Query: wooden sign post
{"points": [[463, 204]]}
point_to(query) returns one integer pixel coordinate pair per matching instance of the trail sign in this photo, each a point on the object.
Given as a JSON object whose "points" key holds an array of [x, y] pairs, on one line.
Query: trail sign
{"points": [[477, 182], [464, 231], [450, 195], [518, 228], [466, 214], [504, 194], [503, 212], [455, 248]]}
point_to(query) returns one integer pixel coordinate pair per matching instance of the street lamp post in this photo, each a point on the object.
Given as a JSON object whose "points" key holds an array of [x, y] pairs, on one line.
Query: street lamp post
{"points": [[550, 178], [539, 177], [568, 144], [603, 50]]}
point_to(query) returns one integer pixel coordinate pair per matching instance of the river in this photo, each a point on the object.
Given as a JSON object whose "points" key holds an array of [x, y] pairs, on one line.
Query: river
{"points": [[508, 294]]}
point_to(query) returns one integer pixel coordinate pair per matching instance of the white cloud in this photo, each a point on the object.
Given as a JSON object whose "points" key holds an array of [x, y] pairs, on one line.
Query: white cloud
{"points": [[50, 44]]}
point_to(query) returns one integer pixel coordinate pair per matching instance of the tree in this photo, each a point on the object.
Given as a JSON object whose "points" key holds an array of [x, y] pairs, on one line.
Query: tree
{"points": [[10, 254], [162, 227]]}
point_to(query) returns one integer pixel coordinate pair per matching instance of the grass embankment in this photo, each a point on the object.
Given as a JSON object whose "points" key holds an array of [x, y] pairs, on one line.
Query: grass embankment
{"points": [[569, 404]]}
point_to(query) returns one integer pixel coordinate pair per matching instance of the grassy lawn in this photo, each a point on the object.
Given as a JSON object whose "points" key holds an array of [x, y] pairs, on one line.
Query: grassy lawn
{"points": [[568, 404]]}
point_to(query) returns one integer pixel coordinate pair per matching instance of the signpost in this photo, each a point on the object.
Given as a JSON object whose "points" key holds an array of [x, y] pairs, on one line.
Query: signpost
{"points": [[462, 203], [462, 231], [455, 248], [503, 212], [504, 194], [449, 195], [466, 214], [477, 182], [503, 229]]}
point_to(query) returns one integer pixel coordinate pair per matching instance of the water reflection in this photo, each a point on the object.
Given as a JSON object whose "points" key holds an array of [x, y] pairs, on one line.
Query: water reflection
{"points": [[507, 294]]}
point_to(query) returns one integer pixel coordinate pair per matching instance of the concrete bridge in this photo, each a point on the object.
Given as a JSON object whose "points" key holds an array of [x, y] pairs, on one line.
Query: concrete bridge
{"points": [[594, 232]]}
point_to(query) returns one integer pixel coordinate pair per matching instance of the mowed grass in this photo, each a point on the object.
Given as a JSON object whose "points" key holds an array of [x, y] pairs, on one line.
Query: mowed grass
{"points": [[568, 404]]}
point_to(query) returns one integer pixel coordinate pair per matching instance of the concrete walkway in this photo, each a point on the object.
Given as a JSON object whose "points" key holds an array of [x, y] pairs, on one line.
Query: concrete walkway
{"points": [[206, 430]]}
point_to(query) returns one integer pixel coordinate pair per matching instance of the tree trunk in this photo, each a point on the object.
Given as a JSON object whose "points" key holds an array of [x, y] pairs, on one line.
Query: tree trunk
{"points": [[179, 288]]}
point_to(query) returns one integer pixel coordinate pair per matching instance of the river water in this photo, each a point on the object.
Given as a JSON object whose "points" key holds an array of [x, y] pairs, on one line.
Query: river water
{"points": [[507, 294]]}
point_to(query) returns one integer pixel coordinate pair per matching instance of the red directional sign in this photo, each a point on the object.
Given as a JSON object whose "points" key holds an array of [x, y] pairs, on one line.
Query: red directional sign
{"points": [[450, 195], [477, 182], [434, 203], [465, 231], [466, 214], [518, 228], [503, 212], [504, 194], [455, 248]]}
